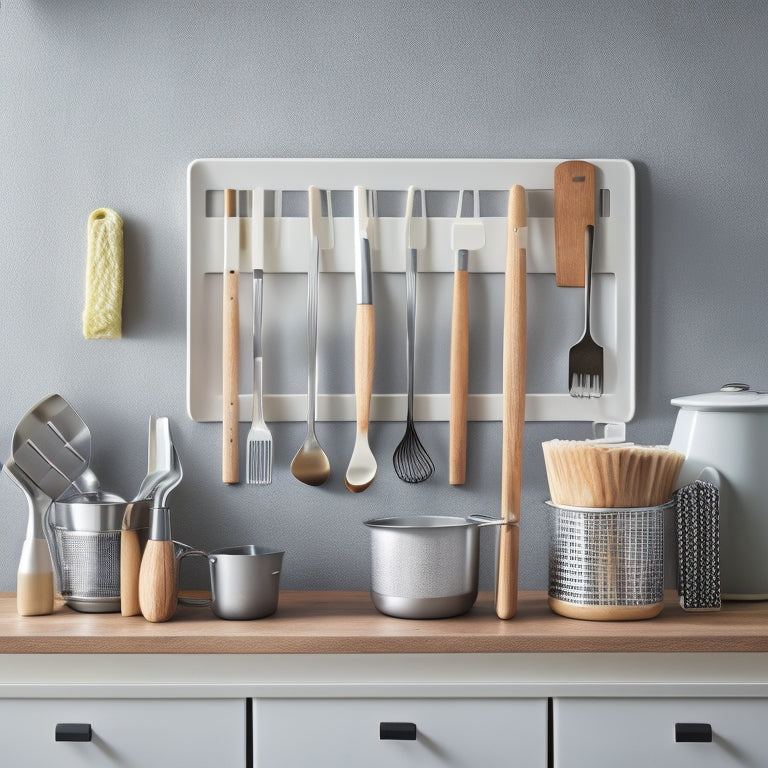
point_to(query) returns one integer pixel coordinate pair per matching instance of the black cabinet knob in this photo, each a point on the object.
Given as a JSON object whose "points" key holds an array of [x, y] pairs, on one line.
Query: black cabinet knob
{"points": [[700, 732], [397, 731], [73, 732]]}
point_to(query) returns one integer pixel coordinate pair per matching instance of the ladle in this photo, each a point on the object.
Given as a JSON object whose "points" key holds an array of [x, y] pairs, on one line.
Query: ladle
{"points": [[310, 465]]}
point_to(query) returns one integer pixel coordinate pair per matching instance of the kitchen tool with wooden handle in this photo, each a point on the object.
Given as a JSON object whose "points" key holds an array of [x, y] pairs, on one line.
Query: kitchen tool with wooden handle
{"points": [[466, 235], [513, 407], [574, 191], [230, 468], [459, 372], [130, 566], [362, 467], [158, 577]]}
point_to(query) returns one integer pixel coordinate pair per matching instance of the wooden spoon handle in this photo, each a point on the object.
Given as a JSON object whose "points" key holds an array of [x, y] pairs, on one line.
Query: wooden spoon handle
{"points": [[230, 469], [459, 378], [365, 348]]}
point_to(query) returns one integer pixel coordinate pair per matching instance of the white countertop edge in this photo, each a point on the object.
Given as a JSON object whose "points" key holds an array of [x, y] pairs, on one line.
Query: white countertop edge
{"points": [[527, 675]]}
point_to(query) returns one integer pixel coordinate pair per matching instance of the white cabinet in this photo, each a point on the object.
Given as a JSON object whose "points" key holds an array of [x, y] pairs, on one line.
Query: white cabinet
{"points": [[130, 734], [637, 733], [379, 733]]}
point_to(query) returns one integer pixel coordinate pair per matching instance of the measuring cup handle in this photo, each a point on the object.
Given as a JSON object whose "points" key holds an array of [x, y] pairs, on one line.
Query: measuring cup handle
{"points": [[195, 602]]}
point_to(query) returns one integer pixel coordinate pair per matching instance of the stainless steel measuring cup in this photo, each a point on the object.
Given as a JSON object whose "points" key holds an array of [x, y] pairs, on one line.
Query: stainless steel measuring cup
{"points": [[245, 581]]}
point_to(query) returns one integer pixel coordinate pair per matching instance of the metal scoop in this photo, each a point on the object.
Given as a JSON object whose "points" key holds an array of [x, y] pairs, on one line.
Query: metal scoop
{"points": [[51, 448]]}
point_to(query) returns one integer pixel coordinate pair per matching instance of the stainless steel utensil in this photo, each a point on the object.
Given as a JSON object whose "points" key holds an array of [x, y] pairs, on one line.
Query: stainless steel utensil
{"points": [[310, 465], [585, 359], [361, 470], [230, 467], [412, 462], [86, 538], [466, 235], [50, 449], [259, 444], [158, 578]]}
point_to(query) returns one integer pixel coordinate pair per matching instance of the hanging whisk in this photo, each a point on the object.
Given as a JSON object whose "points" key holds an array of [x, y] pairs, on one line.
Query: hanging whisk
{"points": [[412, 462]]}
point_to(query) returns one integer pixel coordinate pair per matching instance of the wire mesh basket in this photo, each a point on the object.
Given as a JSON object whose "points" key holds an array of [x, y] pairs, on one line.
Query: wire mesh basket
{"points": [[607, 563], [85, 546]]}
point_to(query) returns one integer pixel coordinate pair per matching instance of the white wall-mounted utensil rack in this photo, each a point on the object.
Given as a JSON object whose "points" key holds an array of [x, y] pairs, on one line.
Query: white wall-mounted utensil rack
{"points": [[555, 315]]}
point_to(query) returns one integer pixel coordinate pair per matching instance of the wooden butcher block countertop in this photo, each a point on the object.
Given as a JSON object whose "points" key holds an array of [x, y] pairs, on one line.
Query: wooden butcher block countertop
{"points": [[347, 623]]}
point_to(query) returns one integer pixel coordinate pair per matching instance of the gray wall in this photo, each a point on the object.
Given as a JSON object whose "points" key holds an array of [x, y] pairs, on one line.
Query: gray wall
{"points": [[105, 104]]}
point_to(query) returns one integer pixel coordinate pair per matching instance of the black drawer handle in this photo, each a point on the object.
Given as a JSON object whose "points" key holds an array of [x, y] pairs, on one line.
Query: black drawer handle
{"points": [[701, 732], [397, 731], [73, 732]]}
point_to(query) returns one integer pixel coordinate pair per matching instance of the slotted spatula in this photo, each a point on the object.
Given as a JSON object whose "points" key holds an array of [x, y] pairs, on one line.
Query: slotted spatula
{"points": [[51, 448]]}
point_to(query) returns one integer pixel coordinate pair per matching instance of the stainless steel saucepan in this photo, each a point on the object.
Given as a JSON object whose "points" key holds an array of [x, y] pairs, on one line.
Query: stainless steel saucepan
{"points": [[425, 566]]}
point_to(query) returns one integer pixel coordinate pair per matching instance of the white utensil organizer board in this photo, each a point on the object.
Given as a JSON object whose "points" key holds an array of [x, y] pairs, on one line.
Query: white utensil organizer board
{"points": [[555, 314]]}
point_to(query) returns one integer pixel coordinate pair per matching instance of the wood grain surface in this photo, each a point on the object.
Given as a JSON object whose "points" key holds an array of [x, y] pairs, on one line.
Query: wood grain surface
{"points": [[347, 622]]}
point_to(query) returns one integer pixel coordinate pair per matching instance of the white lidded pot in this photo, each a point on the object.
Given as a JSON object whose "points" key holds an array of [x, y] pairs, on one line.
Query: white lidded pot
{"points": [[728, 431]]}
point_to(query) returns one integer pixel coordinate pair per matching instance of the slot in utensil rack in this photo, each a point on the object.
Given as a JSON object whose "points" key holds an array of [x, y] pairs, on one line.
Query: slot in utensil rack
{"points": [[286, 251]]}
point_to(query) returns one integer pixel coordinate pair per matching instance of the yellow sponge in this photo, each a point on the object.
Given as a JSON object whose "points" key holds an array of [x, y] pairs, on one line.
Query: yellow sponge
{"points": [[102, 318]]}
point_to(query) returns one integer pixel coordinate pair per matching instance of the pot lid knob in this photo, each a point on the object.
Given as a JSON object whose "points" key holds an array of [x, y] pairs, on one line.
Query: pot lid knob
{"points": [[734, 388]]}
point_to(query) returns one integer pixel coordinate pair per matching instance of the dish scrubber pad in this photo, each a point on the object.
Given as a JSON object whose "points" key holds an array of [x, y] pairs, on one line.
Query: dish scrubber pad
{"points": [[698, 546], [102, 318]]}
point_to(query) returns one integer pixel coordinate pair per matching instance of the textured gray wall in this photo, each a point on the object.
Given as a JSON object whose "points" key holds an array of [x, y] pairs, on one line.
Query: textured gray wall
{"points": [[105, 104]]}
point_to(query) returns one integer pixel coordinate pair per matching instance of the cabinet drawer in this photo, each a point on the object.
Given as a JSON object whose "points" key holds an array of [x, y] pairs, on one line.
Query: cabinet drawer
{"points": [[134, 733], [293, 733], [643, 732]]}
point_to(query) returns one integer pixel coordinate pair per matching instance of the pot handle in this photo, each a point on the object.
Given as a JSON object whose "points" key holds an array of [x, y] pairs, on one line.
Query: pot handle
{"points": [[197, 602], [483, 520]]}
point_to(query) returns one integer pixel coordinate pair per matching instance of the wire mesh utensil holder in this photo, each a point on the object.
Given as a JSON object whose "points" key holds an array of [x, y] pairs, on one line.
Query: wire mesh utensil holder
{"points": [[607, 563]]}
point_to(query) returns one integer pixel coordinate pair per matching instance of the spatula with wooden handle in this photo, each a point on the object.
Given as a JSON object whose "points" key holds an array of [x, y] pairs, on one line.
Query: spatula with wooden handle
{"points": [[574, 199], [513, 408], [230, 467]]}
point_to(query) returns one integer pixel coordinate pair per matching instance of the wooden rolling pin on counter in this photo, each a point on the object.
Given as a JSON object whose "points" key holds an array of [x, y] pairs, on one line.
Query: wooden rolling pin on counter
{"points": [[337, 622]]}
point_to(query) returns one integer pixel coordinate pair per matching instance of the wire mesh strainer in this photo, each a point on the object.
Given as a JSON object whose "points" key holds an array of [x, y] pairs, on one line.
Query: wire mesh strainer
{"points": [[85, 544]]}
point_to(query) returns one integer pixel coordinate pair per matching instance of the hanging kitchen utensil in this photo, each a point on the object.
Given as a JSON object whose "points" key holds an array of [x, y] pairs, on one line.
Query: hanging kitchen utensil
{"points": [[259, 443], [513, 404], [412, 462], [585, 359], [466, 236], [362, 466], [230, 468], [50, 450], [574, 198], [158, 577], [310, 465]]}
